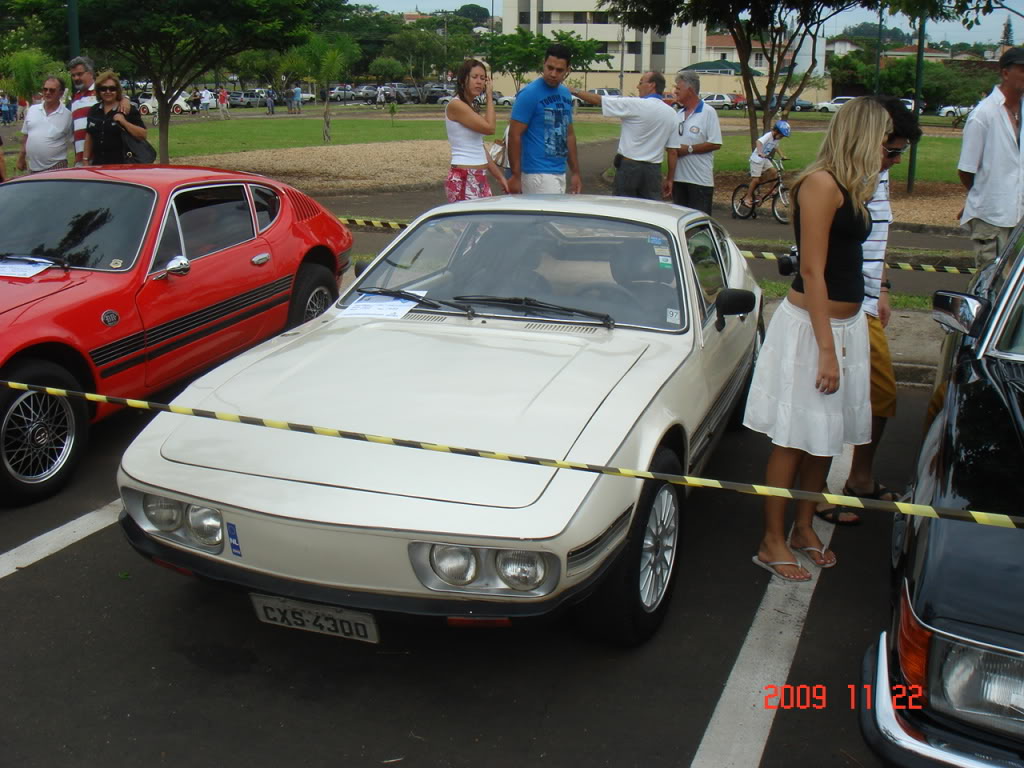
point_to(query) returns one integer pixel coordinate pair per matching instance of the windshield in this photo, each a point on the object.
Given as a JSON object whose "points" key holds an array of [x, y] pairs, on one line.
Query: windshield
{"points": [[605, 267], [88, 224]]}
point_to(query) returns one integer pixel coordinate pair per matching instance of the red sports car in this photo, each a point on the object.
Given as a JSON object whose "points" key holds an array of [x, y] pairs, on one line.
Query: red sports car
{"points": [[122, 280]]}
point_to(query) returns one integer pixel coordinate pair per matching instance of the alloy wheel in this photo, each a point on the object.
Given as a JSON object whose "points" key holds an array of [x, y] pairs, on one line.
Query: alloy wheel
{"points": [[658, 554]]}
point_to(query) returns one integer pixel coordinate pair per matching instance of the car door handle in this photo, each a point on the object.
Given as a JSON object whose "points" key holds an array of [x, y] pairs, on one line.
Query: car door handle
{"points": [[260, 258]]}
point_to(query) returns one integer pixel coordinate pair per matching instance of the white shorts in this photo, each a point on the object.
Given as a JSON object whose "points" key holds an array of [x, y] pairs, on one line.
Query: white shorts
{"points": [[784, 402], [758, 165], [543, 183]]}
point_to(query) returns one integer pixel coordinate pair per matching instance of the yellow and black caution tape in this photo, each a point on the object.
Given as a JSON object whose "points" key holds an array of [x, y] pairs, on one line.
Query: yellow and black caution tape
{"points": [[890, 264], [373, 223], [923, 510]]}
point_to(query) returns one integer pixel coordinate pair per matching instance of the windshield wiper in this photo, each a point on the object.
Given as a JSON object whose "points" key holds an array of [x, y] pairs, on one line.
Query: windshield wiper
{"points": [[527, 301], [48, 260], [398, 293]]}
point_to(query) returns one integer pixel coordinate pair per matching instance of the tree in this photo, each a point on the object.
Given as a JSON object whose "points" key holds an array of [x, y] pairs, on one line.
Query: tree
{"points": [[26, 71], [780, 27], [386, 69], [327, 58], [585, 53], [522, 52], [172, 42], [257, 66], [418, 50], [1007, 38], [868, 30], [477, 13]]}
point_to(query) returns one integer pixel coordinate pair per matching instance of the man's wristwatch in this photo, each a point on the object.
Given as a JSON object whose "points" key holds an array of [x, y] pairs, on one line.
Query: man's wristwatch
{"points": [[689, 149], [886, 284]]}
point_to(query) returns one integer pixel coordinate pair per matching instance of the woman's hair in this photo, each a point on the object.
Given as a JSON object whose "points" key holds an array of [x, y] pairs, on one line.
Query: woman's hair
{"points": [[852, 150], [109, 74], [462, 81]]}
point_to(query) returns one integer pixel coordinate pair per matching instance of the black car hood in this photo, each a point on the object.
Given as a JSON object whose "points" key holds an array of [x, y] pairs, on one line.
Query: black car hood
{"points": [[969, 576]]}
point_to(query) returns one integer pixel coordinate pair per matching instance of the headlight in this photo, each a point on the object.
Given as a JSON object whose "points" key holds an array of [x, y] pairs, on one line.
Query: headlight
{"points": [[520, 569], [205, 524], [165, 514], [454, 565], [979, 686]]}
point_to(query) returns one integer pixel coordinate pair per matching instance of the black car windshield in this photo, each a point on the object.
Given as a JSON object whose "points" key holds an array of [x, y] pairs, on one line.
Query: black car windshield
{"points": [[595, 266], [84, 224]]}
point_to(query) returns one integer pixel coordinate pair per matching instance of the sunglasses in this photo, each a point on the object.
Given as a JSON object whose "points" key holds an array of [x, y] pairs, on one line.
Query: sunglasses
{"points": [[107, 88], [892, 154], [50, 90]]}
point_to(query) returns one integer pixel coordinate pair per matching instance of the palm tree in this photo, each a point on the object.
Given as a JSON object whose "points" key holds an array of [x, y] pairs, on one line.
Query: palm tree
{"points": [[328, 59]]}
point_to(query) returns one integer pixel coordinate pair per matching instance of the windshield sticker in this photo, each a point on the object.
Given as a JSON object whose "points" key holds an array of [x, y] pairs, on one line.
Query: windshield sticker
{"points": [[236, 546], [664, 256], [655, 240], [369, 305], [116, 263], [672, 316], [22, 270]]}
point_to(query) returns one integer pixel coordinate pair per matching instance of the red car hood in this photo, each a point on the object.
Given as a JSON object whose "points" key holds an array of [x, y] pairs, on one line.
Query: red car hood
{"points": [[18, 291]]}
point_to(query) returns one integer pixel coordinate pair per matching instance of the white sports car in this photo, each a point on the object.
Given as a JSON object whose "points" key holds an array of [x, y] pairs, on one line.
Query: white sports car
{"points": [[604, 330]]}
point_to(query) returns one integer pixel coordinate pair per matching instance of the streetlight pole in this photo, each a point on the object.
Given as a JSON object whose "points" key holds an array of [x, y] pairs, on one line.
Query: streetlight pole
{"points": [[878, 55], [73, 47]]}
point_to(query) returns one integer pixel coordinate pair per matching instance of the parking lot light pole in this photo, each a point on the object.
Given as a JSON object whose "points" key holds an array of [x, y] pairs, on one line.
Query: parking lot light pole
{"points": [[73, 46]]}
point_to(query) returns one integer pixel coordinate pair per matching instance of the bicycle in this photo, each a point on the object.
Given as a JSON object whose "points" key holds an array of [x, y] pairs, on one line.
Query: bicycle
{"points": [[775, 190]]}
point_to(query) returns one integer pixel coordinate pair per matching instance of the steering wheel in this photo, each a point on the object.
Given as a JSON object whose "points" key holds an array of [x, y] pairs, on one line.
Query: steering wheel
{"points": [[607, 292]]}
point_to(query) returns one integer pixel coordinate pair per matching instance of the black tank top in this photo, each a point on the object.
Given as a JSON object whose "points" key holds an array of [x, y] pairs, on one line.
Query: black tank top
{"points": [[844, 277]]}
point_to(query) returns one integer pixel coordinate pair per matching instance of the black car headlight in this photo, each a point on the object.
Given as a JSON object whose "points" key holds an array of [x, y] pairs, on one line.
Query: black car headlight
{"points": [[979, 686]]}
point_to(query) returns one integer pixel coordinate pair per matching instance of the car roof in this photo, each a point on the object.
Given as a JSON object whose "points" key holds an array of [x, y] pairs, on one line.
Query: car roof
{"points": [[664, 215], [156, 176]]}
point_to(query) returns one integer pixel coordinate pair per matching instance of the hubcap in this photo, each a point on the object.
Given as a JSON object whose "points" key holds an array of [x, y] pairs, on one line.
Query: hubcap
{"points": [[658, 553], [318, 302], [37, 435]]}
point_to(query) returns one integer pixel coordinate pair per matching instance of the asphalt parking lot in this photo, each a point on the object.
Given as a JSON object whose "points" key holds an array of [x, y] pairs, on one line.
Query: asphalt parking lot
{"points": [[112, 661]]}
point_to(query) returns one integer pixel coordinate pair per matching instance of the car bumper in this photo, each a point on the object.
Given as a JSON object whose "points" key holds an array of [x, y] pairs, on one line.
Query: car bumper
{"points": [[898, 740], [264, 583]]}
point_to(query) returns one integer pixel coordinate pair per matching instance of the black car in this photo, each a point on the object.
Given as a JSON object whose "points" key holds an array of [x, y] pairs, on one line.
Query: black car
{"points": [[435, 93], [948, 677]]}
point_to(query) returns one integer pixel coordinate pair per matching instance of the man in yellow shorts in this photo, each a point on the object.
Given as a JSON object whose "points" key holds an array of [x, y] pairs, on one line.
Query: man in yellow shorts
{"points": [[862, 482]]}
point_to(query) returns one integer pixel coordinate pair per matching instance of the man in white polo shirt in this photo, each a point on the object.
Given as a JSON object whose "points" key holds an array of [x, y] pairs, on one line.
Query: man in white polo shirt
{"points": [[47, 133], [648, 129], [691, 168], [991, 163]]}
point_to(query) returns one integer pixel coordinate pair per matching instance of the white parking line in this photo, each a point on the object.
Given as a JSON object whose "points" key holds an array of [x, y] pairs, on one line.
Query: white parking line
{"points": [[54, 541]]}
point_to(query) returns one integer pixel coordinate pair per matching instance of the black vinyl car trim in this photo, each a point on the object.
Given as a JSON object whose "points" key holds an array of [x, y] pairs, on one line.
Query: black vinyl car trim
{"points": [[149, 341], [347, 598]]}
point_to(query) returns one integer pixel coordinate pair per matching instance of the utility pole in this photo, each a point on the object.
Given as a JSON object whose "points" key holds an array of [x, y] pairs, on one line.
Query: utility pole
{"points": [[917, 102], [878, 55], [73, 47]]}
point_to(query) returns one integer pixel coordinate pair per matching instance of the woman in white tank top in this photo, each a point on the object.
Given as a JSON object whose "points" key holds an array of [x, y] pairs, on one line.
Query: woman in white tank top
{"points": [[466, 128]]}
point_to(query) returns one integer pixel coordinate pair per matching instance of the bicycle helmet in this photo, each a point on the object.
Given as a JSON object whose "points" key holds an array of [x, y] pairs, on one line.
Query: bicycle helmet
{"points": [[782, 127]]}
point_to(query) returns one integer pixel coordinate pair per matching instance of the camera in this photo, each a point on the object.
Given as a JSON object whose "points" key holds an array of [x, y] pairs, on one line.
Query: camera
{"points": [[789, 263]]}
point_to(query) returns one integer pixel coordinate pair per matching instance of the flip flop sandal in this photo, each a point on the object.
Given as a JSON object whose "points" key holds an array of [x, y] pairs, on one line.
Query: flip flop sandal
{"points": [[770, 567], [821, 551], [832, 515], [877, 493]]}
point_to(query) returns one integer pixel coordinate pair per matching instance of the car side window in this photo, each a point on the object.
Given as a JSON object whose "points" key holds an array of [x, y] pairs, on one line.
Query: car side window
{"points": [[267, 204], [723, 247], [213, 218], [170, 243], [706, 263]]}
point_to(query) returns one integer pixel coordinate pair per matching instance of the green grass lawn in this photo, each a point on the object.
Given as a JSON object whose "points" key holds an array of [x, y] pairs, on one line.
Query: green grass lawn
{"points": [[936, 156]]}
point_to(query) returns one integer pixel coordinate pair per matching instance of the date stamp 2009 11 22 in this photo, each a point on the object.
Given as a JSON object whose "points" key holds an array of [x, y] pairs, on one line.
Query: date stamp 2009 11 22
{"points": [[816, 696]]}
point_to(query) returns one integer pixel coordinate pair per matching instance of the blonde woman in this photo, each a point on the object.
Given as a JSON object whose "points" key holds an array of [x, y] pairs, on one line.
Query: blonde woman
{"points": [[810, 388], [105, 124], [466, 128]]}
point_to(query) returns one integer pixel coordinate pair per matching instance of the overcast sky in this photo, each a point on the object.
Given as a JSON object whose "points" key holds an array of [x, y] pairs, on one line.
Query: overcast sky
{"points": [[988, 31]]}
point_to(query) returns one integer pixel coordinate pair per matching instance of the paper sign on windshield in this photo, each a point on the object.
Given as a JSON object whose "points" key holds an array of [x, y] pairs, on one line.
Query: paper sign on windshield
{"points": [[369, 305], [22, 270]]}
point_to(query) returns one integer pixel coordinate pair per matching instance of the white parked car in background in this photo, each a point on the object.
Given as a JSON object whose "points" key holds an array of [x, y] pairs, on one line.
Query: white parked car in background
{"points": [[718, 100], [953, 111], [148, 105], [585, 329], [834, 105]]}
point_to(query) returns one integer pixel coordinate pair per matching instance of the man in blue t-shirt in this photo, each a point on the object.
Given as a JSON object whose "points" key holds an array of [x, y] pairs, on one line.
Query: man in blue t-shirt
{"points": [[541, 138]]}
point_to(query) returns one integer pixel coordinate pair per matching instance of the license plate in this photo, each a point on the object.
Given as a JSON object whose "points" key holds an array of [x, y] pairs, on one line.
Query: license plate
{"points": [[311, 617]]}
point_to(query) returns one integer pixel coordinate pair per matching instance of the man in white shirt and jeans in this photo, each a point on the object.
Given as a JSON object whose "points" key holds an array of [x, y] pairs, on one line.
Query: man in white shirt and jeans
{"points": [[648, 129], [691, 168], [47, 133], [991, 163]]}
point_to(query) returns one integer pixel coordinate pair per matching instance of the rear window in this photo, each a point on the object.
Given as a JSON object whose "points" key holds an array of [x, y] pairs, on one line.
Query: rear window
{"points": [[88, 224]]}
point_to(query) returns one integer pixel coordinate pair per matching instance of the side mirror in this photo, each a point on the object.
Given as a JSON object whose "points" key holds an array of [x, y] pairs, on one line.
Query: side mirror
{"points": [[178, 265], [733, 301], [959, 312]]}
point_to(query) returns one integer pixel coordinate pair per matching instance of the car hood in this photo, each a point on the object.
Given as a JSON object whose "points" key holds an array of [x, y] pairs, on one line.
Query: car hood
{"points": [[490, 388], [18, 291]]}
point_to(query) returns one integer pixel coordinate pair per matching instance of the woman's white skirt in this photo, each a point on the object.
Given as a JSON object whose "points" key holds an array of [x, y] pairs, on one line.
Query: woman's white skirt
{"points": [[784, 402]]}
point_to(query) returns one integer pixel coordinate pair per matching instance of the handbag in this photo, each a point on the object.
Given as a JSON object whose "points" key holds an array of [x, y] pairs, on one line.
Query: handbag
{"points": [[136, 150], [499, 154]]}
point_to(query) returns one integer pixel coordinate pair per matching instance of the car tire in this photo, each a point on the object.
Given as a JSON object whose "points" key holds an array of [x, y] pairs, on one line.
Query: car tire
{"points": [[41, 436], [736, 417], [176, 109], [797, 107], [143, 110], [314, 291], [823, 109], [632, 600]]}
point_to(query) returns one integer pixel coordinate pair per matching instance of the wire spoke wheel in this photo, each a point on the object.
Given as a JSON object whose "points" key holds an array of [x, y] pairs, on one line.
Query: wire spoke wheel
{"points": [[317, 303], [780, 205], [739, 209], [37, 436]]}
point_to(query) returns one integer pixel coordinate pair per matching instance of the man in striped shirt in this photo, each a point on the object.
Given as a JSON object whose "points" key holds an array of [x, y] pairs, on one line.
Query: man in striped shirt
{"points": [[862, 482], [83, 73]]}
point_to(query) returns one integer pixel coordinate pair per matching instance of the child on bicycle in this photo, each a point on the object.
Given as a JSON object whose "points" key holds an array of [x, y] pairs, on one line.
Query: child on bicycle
{"points": [[761, 157]]}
